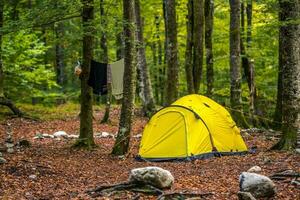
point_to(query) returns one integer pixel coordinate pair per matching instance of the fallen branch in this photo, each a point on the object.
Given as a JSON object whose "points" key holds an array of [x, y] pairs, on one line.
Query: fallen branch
{"points": [[183, 195], [129, 186]]}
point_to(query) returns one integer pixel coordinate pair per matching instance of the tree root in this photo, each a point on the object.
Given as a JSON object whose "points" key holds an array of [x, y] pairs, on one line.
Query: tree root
{"points": [[6, 102], [145, 189]]}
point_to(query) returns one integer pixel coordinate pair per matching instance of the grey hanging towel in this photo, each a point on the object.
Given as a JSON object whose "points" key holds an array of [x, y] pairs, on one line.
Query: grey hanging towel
{"points": [[98, 78]]}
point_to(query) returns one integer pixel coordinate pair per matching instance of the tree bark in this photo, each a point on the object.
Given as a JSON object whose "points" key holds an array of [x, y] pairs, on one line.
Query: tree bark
{"points": [[3, 100], [209, 21], [189, 49], [249, 22], [198, 38], [171, 46], [146, 94], [59, 55], [104, 58], [161, 66], [86, 139], [123, 138], [289, 13], [235, 63]]}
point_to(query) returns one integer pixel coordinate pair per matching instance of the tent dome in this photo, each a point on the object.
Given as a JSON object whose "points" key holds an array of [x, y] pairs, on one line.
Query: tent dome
{"points": [[192, 127]]}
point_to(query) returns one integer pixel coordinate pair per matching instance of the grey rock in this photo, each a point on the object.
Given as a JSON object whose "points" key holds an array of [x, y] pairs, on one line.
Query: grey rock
{"points": [[45, 135], [154, 176], [245, 196], [258, 185], [104, 135], [9, 145], [10, 150], [254, 169], [2, 160], [297, 150]]}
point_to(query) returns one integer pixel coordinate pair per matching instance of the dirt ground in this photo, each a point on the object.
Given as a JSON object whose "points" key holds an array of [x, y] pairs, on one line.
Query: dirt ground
{"points": [[65, 173]]}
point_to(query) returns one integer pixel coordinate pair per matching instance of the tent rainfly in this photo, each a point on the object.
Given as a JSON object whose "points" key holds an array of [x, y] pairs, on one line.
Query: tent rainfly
{"points": [[193, 127]]}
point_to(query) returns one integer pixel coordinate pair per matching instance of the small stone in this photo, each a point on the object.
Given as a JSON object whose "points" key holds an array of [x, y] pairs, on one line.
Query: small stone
{"points": [[33, 176], [9, 145], [45, 135], [255, 169], [38, 136], [137, 136], [297, 150], [245, 196], [10, 150], [2, 160], [60, 134], [72, 136]]}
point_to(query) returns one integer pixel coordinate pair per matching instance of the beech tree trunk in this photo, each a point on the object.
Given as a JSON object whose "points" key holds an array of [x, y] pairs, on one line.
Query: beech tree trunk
{"points": [[189, 49], [171, 47], [122, 141], [194, 45], [209, 24], [289, 13], [104, 58], [249, 22], [146, 94], [161, 66], [59, 55], [3, 100], [235, 64], [198, 39], [86, 139]]}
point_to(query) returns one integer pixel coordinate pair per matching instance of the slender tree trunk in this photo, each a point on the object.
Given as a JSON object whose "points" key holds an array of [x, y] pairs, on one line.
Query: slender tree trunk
{"points": [[209, 23], [104, 58], [122, 141], [289, 13], [249, 22], [3, 100], [59, 55], [145, 83], [119, 44], [155, 68], [86, 139], [242, 19], [189, 49], [198, 38], [161, 66], [172, 62], [235, 63]]}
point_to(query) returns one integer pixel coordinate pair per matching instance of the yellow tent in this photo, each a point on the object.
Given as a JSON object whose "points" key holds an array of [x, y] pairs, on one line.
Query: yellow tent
{"points": [[192, 127]]}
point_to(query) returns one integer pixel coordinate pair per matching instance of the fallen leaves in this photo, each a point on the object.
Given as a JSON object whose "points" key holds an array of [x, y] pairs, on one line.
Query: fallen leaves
{"points": [[65, 173]]}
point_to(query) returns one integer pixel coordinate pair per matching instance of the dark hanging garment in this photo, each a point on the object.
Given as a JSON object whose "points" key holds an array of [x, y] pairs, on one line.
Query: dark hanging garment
{"points": [[98, 78]]}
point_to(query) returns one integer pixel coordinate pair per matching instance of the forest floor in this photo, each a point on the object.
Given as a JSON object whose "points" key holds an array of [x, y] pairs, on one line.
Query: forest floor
{"points": [[62, 172]]}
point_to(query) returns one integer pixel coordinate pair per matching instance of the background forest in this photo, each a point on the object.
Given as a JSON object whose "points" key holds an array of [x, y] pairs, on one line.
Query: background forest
{"points": [[42, 45]]}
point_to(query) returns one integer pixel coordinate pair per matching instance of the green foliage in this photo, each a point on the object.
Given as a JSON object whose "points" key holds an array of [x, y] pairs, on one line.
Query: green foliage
{"points": [[25, 71]]}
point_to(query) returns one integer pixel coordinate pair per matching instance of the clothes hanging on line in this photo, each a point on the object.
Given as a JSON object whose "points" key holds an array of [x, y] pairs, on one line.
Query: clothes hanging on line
{"points": [[117, 74], [98, 77]]}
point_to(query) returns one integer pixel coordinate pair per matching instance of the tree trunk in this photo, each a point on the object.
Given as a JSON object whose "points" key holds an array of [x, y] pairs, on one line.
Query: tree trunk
{"points": [[122, 141], [161, 66], [209, 21], [235, 63], [289, 13], [155, 64], [249, 22], [86, 139], [198, 42], [104, 58], [171, 46], [119, 44], [3, 100], [242, 19], [59, 55], [145, 83], [189, 49], [277, 121]]}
